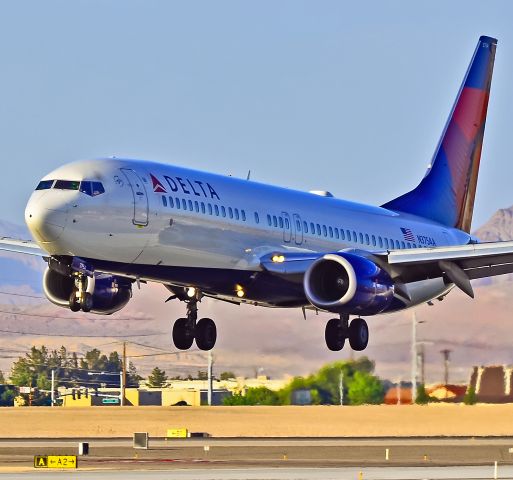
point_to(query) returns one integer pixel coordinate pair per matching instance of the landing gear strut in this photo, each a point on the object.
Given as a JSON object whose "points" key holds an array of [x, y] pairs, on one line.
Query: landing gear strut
{"points": [[186, 330], [338, 329], [80, 298]]}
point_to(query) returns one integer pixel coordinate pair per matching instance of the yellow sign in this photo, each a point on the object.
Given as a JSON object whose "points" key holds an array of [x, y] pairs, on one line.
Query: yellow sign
{"points": [[55, 461], [176, 433]]}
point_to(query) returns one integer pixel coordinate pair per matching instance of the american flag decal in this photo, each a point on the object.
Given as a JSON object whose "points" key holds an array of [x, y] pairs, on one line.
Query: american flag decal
{"points": [[408, 235]]}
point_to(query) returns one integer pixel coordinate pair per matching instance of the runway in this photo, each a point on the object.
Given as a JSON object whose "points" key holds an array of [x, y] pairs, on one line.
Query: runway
{"points": [[287, 473]]}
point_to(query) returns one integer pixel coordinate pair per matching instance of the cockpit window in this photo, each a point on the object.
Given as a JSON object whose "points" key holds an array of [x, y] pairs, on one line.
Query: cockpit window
{"points": [[92, 188], [45, 184], [66, 185]]}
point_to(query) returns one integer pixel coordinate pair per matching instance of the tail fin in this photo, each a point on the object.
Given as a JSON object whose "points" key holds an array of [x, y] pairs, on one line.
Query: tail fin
{"points": [[447, 192]]}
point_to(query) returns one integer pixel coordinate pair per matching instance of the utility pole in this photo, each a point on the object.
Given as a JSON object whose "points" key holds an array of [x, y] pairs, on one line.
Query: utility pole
{"points": [[414, 357], [123, 374], [446, 354], [209, 373], [121, 389], [341, 387], [422, 363], [53, 388]]}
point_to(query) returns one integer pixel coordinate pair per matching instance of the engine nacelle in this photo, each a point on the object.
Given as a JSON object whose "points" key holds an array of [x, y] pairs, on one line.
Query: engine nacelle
{"points": [[110, 293], [348, 283]]}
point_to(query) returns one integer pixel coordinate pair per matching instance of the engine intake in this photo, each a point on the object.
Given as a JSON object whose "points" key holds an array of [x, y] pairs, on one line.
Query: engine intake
{"points": [[110, 293], [348, 283]]}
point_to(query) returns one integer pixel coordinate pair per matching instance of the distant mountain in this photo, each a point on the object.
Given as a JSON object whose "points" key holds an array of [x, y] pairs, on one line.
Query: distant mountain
{"points": [[498, 228]]}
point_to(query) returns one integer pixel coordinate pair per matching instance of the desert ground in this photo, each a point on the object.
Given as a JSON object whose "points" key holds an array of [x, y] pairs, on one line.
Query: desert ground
{"points": [[313, 421]]}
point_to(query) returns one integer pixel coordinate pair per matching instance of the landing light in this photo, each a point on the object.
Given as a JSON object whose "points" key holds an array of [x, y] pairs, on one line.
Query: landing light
{"points": [[191, 292], [278, 258], [239, 291]]}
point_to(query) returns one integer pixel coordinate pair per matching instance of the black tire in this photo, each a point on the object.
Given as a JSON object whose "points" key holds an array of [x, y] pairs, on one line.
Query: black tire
{"points": [[74, 304], [335, 335], [206, 334], [87, 302], [183, 336], [358, 334]]}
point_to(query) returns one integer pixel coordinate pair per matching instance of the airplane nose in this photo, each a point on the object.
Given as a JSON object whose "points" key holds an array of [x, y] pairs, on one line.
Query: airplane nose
{"points": [[46, 219]]}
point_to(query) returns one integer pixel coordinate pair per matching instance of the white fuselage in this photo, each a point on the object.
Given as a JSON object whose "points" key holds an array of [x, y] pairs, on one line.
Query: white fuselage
{"points": [[222, 222]]}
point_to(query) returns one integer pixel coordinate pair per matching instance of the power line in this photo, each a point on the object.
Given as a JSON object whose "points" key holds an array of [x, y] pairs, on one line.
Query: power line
{"points": [[43, 334], [24, 314], [22, 295]]}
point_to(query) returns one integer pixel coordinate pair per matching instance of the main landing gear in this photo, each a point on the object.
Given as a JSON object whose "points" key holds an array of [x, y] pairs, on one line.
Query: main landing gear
{"points": [[80, 298], [186, 330], [338, 329]]}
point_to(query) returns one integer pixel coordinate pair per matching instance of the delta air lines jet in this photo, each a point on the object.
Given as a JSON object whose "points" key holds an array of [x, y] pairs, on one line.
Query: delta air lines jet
{"points": [[103, 224]]}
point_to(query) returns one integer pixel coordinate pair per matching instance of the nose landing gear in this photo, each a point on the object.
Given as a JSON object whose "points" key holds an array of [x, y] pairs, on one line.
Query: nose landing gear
{"points": [[80, 298], [338, 329], [186, 330]]}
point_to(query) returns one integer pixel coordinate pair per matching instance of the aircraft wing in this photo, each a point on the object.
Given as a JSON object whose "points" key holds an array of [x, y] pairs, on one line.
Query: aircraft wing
{"points": [[27, 247], [459, 264]]}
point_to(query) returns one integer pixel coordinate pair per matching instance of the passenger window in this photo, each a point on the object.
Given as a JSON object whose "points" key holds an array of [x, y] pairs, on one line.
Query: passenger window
{"points": [[164, 201], [305, 227], [325, 230], [403, 244], [257, 219], [361, 238], [171, 203], [408, 244], [380, 242], [367, 241], [373, 240], [202, 207], [45, 184], [397, 244], [342, 234], [216, 208], [209, 209], [287, 224], [243, 213], [318, 229], [392, 243], [355, 238], [298, 225], [196, 206], [191, 208], [223, 211], [269, 220], [236, 214], [312, 228], [280, 221], [275, 221], [184, 204], [386, 243], [331, 232], [230, 212], [178, 203], [336, 233]]}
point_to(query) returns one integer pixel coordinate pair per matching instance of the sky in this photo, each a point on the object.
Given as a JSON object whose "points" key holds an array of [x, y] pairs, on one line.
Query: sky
{"points": [[349, 97]]}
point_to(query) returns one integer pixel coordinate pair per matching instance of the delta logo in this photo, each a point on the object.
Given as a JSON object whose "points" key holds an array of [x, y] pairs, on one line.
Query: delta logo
{"points": [[157, 186]]}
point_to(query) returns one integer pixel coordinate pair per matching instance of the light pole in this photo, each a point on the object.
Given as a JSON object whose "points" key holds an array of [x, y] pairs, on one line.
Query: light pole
{"points": [[414, 360]]}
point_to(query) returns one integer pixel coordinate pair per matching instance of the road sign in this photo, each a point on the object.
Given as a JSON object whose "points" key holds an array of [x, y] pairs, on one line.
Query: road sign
{"points": [[24, 389], [110, 400], [55, 461]]}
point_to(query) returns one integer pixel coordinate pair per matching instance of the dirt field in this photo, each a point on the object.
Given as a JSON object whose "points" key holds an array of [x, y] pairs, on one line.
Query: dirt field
{"points": [[324, 421]]}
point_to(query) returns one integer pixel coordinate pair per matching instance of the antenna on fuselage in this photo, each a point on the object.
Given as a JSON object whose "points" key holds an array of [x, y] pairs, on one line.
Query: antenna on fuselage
{"points": [[249, 175]]}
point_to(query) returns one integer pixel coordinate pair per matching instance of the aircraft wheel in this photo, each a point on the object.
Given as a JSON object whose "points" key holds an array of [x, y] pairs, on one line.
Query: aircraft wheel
{"points": [[87, 302], [74, 304], [358, 334], [335, 334], [206, 334], [183, 335]]}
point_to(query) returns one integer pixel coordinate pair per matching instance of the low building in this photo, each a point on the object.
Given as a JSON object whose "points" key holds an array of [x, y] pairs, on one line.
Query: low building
{"points": [[450, 393], [492, 384]]}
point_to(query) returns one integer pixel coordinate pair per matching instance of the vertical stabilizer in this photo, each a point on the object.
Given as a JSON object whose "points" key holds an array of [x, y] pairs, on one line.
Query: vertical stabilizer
{"points": [[447, 192]]}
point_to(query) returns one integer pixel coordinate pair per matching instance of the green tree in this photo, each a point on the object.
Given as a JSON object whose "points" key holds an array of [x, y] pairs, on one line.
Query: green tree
{"points": [[202, 375], [422, 397], [157, 378], [226, 375], [254, 396], [470, 397], [365, 388]]}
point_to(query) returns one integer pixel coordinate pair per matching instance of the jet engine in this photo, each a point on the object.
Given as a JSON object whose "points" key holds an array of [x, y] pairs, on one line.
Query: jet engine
{"points": [[109, 293], [348, 283]]}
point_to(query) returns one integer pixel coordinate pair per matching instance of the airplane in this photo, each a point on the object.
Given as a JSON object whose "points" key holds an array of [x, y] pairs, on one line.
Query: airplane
{"points": [[104, 224]]}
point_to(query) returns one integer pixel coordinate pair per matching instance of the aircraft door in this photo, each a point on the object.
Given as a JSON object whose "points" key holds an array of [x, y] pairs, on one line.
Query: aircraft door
{"points": [[287, 227], [140, 197], [298, 229]]}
